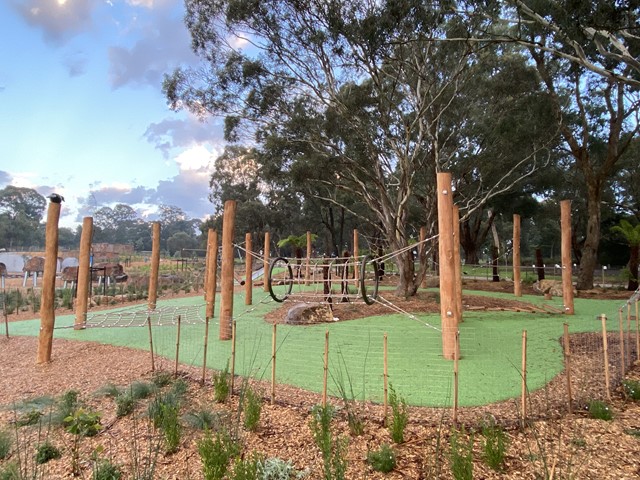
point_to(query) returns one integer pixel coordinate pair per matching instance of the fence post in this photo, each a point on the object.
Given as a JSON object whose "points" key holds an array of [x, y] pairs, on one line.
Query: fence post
{"points": [[517, 284], [233, 354], [385, 376], [265, 268], [567, 365], [605, 350], [153, 365], [621, 337], [273, 365], [523, 400], [175, 373], [206, 343], [248, 276], [326, 369], [456, 358]]}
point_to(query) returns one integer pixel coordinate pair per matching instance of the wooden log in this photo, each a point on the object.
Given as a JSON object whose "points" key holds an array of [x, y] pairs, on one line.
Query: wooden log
{"points": [[84, 274], [248, 282], [447, 269], [356, 254], [226, 281], [307, 271], [47, 303], [212, 272], [565, 247], [155, 265], [517, 279]]}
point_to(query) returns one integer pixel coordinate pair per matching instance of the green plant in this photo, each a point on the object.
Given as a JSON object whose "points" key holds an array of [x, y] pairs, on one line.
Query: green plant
{"points": [[599, 410], [47, 451], [461, 455], [140, 390], [160, 378], [32, 417], [399, 416], [252, 409], [170, 426], [82, 423], [631, 389], [216, 453], [158, 406], [202, 420], [333, 449], [248, 469], [354, 415], [277, 469], [383, 460], [221, 384], [66, 406], [145, 448], [105, 470], [11, 471], [125, 404], [494, 447], [5, 444], [108, 390]]}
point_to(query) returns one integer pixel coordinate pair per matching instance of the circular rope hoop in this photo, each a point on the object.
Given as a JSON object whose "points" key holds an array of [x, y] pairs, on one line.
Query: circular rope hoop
{"points": [[369, 275], [280, 279]]}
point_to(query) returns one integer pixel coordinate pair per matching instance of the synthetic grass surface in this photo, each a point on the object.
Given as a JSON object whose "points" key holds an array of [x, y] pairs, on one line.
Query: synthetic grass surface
{"points": [[489, 368]]}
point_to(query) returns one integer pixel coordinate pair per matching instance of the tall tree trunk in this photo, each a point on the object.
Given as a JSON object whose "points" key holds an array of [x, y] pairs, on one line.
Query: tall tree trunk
{"points": [[592, 239], [408, 284], [494, 262], [539, 264], [633, 268]]}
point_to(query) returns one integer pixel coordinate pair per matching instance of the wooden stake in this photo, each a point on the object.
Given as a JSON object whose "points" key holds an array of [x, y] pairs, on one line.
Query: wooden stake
{"points": [[628, 340], [605, 351], [326, 369], [206, 343], [517, 280], [265, 273], [273, 365], [621, 339], [385, 376], [226, 282], [455, 379], [422, 252], [356, 254], [307, 270], [47, 303], [6, 315], [84, 274], [248, 275], [212, 272], [155, 265], [233, 355], [153, 365], [457, 264], [567, 282], [567, 365], [523, 400], [637, 334], [175, 373]]}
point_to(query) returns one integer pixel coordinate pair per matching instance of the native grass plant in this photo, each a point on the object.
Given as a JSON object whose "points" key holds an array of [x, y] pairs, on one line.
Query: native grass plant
{"points": [[145, 449], [216, 453], [332, 447], [170, 426], [252, 408], [247, 469], [161, 378], [599, 410], [103, 468], [382, 460], [631, 389], [461, 455], [47, 451], [494, 447], [30, 449], [6, 442], [345, 390], [66, 406], [203, 419], [221, 384], [399, 416]]}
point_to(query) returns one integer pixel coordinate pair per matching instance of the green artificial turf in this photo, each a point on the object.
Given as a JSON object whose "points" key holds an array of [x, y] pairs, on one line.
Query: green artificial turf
{"points": [[489, 368]]}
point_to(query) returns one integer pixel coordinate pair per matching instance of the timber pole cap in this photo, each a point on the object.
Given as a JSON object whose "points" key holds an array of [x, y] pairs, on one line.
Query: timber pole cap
{"points": [[56, 198]]}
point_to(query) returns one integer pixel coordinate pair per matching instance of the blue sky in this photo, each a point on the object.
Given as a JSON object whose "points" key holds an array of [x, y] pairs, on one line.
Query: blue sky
{"points": [[82, 111]]}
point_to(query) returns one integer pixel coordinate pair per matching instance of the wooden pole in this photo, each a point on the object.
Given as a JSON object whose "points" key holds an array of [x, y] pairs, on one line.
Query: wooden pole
{"points": [[153, 365], [307, 271], [621, 339], [273, 365], [6, 315], [233, 355], [567, 365], [447, 268], [517, 280], [325, 376], [84, 274], [226, 281], [47, 303], [248, 276], [155, 265], [455, 379], [267, 247], [628, 340], [356, 254], [206, 344], [523, 400], [385, 376], [422, 252], [175, 373], [605, 351], [567, 282], [457, 264], [212, 272]]}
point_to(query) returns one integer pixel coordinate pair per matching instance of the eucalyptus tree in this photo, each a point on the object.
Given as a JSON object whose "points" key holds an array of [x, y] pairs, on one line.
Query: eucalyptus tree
{"points": [[21, 210]]}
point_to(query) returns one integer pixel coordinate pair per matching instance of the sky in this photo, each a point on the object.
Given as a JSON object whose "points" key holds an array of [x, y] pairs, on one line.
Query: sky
{"points": [[82, 112]]}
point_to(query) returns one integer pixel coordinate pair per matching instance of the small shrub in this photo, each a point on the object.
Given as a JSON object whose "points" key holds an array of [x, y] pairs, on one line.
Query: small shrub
{"points": [[202, 420], [108, 390], [170, 426], [383, 460], [276, 469], [141, 390], [494, 447], [179, 387], [161, 378], [631, 389], [158, 406], [47, 451], [334, 449], [461, 456], [125, 404], [5, 444], [252, 409], [248, 469], [221, 385], [105, 470], [216, 453], [67, 405], [399, 416], [83, 423], [32, 417], [599, 410], [11, 471]]}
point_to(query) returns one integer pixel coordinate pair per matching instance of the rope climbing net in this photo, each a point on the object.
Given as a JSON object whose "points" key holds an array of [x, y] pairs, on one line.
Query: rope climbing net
{"points": [[139, 317]]}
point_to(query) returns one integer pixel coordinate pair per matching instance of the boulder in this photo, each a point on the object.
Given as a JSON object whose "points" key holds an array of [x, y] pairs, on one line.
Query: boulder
{"points": [[549, 287], [304, 313]]}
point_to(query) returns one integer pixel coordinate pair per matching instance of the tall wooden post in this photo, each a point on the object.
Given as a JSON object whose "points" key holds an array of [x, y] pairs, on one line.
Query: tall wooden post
{"points": [[447, 268], [248, 276], [265, 273], [84, 274], [422, 252], [517, 280], [226, 280], [605, 354], [47, 310], [155, 265], [457, 264], [212, 272], [307, 273], [567, 283]]}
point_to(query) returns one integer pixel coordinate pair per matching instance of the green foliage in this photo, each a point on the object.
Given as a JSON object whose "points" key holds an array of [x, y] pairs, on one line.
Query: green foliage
{"points": [[221, 384], [333, 449], [170, 426], [105, 470], [141, 390], [599, 410], [248, 469], [125, 404], [5, 444], [32, 417], [108, 390], [216, 454], [399, 416], [161, 378], [66, 406], [277, 469], [202, 420], [162, 403], [83, 423], [11, 471], [252, 409], [461, 455], [47, 451], [631, 389], [383, 460], [494, 447]]}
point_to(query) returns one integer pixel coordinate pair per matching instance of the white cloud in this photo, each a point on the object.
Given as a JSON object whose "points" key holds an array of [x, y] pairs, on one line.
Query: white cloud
{"points": [[57, 20], [196, 158]]}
